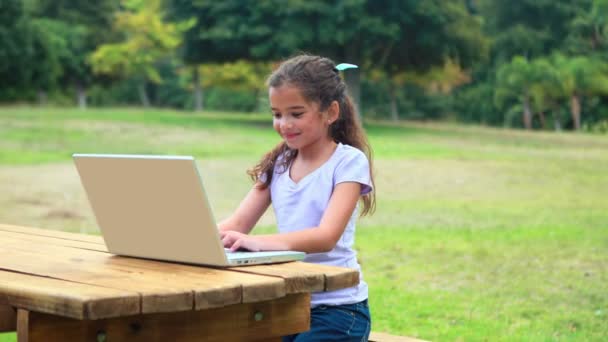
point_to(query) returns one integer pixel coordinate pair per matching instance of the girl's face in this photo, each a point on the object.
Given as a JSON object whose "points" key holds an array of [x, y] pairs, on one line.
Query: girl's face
{"points": [[299, 122]]}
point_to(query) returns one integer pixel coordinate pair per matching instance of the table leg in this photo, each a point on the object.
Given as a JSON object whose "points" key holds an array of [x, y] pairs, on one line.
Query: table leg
{"points": [[242, 322], [23, 318]]}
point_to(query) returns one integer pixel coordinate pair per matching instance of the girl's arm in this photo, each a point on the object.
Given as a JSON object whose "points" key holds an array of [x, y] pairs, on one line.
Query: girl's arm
{"points": [[248, 213], [312, 240]]}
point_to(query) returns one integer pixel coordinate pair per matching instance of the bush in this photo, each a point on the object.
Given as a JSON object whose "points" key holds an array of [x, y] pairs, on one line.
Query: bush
{"points": [[475, 104], [217, 98]]}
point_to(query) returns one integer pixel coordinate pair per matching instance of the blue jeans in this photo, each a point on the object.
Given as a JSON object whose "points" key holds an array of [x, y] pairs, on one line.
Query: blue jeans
{"points": [[349, 322]]}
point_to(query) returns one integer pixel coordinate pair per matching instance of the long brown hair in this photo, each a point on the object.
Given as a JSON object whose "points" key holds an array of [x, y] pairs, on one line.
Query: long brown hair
{"points": [[318, 81]]}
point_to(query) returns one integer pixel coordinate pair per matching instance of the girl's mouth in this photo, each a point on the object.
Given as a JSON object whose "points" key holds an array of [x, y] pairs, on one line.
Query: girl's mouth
{"points": [[290, 136]]}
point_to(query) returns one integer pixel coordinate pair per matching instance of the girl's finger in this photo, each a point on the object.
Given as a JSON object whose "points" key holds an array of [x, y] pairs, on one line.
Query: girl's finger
{"points": [[236, 245], [227, 241]]}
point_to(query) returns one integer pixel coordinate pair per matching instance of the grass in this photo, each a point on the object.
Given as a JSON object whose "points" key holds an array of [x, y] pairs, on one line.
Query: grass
{"points": [[481, 234]]}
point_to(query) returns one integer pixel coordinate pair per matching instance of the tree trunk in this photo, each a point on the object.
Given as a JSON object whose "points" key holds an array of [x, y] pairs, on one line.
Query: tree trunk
{"points": [[575, 110], [198, 91], [557, 125], [143, 95], [394, 109], [595, 41], [81, 94], [527, 113], [42, 97], [352, 76], [541, 116]]}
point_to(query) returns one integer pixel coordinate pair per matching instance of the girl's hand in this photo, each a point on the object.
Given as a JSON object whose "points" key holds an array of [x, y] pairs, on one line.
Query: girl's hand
{"points": [[235, 240]]}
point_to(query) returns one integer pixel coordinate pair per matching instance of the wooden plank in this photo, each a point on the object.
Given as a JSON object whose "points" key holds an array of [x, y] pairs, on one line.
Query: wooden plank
{"points": [[300, 276], [254, 288], [297, 280], [242, 322], [384, 337], [8, 316], [54, 241], [52, 233], [222, 288], [75, 300], [52, 262], [154, 280]]}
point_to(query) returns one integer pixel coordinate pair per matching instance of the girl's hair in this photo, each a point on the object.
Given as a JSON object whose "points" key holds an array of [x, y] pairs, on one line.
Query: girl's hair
{"points": [[318, 81]]}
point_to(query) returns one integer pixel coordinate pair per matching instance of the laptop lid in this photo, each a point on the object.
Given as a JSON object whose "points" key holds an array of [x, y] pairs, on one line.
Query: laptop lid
{"points": [[151, 207]]}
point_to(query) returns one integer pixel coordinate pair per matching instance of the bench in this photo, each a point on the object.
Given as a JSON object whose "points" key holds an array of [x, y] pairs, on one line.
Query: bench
{"points": [[384, 337]]}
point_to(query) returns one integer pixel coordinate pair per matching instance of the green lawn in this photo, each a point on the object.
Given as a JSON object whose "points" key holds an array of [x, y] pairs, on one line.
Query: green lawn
{"points": [[480, 234]]}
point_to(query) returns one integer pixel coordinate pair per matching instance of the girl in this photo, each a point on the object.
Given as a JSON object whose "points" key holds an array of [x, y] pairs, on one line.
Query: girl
{"points": [[314, 179]]}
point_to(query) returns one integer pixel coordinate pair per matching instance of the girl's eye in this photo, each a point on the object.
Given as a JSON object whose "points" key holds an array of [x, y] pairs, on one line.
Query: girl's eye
{"points": [[276, 115], [297, 115]]}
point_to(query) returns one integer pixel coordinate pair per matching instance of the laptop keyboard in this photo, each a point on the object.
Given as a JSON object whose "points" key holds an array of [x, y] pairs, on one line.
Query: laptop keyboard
{"points": [[237, 253]]}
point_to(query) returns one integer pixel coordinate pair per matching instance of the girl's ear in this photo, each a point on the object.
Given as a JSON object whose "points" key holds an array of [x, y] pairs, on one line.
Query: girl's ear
{"points": [[333, 112]]}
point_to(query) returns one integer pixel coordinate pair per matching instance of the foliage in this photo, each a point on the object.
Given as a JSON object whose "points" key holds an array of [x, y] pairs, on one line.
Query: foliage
{"points": [[418, 59], [27, 56], [78, 27], [147, 39], [587, 32], [529, 28], [377, 34], [220, 98], [240, 75], [475, 104]]}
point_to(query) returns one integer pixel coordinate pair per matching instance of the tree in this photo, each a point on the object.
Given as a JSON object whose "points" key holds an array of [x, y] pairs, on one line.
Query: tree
{"points": [[391, 34], [398, 37], [215, 37], [78, 27], [515, 80], [581, 76], [439, 79], [147, 39], [530, 28], [547, 91], [587, 31], [548, 81], [55, 52], [27, 59], [240, 75]]}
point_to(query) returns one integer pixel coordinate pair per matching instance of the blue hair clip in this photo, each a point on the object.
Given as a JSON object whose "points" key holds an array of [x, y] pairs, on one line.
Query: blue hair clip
{"points": [[344, 66]]}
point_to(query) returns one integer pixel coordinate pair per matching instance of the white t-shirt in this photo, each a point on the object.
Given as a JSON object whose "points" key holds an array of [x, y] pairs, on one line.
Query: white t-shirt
{"points": [[301, 205]]}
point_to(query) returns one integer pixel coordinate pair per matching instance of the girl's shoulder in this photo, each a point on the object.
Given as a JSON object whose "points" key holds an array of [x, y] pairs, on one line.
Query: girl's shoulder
{"points": [[352, 165], [348, 159], [348, 152]]}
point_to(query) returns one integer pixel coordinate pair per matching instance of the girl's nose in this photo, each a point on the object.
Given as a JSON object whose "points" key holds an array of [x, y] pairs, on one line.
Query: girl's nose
{"points": [[287, 123]]}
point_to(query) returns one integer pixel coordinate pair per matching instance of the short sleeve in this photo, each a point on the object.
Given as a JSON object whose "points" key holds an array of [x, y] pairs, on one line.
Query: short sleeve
{"points": [[262, 177], [354, 167]]}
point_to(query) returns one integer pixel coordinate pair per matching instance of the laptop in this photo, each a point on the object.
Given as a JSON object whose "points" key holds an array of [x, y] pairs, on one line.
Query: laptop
{"points": [[155, 207]]}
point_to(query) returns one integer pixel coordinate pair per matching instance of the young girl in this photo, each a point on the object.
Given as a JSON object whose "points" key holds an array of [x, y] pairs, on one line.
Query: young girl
{"points": [[314, 179]]}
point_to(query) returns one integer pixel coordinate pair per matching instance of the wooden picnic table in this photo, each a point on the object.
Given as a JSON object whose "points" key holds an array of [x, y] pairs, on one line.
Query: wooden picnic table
{"points": [[58, 286]]}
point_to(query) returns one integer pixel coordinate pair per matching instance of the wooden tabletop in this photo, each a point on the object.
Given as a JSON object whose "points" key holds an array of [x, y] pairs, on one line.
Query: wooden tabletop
{"points": [[73, 275]]}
